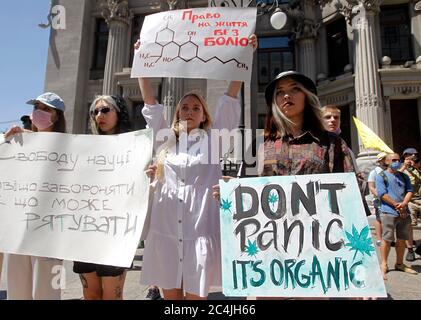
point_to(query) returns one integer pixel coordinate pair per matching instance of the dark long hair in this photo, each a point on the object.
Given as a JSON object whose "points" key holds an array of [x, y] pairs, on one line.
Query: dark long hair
{"points": [[277, 128]]}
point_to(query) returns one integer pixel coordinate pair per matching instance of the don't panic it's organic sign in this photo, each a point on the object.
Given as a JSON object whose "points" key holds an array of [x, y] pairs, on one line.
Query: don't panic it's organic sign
{"points": [[297, 236]]}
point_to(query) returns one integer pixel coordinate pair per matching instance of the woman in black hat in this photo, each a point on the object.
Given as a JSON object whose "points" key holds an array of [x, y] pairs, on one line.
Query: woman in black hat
{"points": [[295, 141]]}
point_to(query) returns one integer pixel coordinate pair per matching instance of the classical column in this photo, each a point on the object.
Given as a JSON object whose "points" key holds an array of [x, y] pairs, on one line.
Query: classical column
{"points": [[172, 88], [368, 95], [118, 17], [172, 91], [305, 34]]}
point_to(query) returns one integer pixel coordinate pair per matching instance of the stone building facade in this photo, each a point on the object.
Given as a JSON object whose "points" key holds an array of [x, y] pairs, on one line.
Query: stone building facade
{"points": [[365, 56]]}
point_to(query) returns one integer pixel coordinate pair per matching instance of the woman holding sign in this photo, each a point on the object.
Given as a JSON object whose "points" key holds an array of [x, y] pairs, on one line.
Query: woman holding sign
{"points": [[295, 141], [30, 277], [182, 251], [108, 115]]}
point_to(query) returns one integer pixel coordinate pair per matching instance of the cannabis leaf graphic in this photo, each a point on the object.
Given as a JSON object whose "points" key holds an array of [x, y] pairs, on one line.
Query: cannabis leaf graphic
{"points": [[272, 199], [359, 241], [226, 205], [251, 249]]}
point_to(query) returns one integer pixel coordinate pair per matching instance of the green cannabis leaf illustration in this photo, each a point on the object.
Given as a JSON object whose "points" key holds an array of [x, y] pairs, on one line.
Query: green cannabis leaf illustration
{"points": [[360, 242], [251, 249], [272, 199], [226, 205]]}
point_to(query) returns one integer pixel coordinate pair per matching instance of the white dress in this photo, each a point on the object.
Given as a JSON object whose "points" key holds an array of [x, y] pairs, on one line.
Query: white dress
{"points": [[182, 247]]}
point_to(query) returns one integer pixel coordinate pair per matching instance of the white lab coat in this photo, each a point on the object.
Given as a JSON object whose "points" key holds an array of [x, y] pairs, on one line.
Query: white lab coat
{"points": [[182, 248]]}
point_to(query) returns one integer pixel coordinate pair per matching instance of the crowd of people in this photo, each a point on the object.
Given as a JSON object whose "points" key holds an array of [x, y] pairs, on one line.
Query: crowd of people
{"points": [[182, 254]]}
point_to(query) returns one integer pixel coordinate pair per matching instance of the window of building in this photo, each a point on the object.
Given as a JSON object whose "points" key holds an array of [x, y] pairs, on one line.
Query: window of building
{"points": [[100, 50], [405, 124], [395, 30], [136, 27], [337, 47], [275, 54]]}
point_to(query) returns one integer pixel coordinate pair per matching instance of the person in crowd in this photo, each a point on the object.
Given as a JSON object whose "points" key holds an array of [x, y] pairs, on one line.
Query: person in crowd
{"points": [[1, 263], [30, 277], [332, 121], [410, 158], [395, 191], [381, 165], [182, 248], [295, 139], [417, 166], [108, 115], [26, 122]]}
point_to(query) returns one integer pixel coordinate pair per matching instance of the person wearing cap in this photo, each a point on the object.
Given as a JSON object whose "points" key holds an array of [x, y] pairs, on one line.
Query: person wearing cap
{"points": [[409, 167], [108, 115], [31, 277], [295, 139], [381, 165], [395, 191]]}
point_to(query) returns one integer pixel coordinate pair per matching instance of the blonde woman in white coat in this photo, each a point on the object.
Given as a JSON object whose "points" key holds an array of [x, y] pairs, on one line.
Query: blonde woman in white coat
{"points": [[182, 251]]}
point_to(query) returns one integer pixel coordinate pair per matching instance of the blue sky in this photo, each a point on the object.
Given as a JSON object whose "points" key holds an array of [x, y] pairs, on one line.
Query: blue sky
{"points": [[23, 57]]}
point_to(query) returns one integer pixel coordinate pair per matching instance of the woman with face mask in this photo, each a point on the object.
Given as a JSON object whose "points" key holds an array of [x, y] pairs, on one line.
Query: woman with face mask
{"points": [[30, 277]]}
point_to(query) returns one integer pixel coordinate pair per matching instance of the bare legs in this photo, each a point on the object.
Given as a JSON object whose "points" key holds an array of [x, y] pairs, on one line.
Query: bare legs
{"points": [[102, 288]]}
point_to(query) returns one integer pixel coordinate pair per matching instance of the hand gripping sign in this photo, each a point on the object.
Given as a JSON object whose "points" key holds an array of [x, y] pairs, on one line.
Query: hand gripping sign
{"points": [[297, 236], [74, 197], [210, 43]]}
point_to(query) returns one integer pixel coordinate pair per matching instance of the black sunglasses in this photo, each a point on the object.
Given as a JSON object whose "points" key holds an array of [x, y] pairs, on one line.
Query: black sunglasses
{"points": [[102, 110], [396, 160]]}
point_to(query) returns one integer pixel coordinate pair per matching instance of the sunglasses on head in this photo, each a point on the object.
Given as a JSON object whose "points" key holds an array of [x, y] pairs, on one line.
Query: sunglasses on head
{"points": [[102, 110]]}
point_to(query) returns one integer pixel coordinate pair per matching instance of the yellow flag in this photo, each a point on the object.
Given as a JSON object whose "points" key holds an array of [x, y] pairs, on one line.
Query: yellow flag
{"points": [[369, 139]]}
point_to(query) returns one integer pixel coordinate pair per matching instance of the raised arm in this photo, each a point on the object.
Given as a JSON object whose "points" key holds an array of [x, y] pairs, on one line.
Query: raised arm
{"points": [[235, 86], [147, 91], [145, 85]]}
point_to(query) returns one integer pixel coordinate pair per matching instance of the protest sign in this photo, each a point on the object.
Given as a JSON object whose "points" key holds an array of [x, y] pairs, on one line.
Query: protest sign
{"points": [[297, 236], [210, 43], [74, 197]]}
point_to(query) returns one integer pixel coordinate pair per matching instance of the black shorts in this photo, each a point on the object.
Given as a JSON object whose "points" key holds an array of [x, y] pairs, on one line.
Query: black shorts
{"points": [[100, 269]]}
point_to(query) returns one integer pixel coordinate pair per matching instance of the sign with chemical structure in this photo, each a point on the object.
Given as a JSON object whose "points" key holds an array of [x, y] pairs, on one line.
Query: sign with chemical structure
{"points": [[297, 236], [209, 43]]}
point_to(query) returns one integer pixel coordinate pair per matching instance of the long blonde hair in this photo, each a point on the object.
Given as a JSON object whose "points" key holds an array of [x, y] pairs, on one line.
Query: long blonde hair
{"points": [[278, 125], [175, 126]]}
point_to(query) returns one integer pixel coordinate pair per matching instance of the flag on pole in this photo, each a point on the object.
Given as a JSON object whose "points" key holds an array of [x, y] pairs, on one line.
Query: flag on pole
{"points": [[369, 139]]}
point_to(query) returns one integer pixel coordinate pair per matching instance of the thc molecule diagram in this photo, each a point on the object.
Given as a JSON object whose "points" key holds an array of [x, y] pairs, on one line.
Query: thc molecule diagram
{"points": [[166, 49]]}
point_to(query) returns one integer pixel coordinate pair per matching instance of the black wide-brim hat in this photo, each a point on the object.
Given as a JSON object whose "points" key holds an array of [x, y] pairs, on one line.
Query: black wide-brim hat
{"points": [[297, 76]]}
